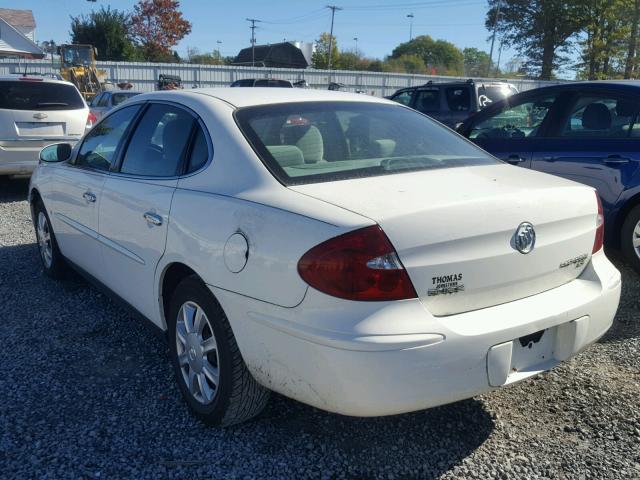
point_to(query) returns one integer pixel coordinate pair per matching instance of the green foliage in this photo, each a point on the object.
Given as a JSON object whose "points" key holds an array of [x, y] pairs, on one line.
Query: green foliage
{"points": [[540, 30], [439, 55], [476, 63], [108, 31], [213, 58], [320, 58], [406, 63]]}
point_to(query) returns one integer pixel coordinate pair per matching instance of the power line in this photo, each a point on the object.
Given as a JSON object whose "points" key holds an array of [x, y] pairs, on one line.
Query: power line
{"points": [[416, 6], [333, 9], [314, 15], [253, 39]]}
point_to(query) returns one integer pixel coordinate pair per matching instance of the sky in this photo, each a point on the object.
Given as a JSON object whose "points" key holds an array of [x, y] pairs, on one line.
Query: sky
{"points": [[379, 25]]}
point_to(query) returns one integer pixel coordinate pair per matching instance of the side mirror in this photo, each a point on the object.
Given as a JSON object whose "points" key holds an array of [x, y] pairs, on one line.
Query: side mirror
{"points": [[458, 127], [58, 152]]}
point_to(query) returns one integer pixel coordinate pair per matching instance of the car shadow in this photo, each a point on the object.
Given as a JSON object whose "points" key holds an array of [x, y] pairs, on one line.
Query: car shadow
{"points": [[13, 190], [627, 321]]}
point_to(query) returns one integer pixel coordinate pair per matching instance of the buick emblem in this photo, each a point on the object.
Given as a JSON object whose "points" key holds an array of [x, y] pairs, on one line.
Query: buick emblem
{"points": [[525, 238], [40, 116]]}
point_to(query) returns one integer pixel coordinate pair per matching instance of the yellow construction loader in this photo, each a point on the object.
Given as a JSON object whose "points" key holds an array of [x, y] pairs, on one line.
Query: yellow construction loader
{"points": [[78, 66]]}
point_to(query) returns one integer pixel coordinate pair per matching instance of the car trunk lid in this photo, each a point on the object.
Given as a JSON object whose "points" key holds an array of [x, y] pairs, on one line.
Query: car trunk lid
{"points": [[455, 230]]}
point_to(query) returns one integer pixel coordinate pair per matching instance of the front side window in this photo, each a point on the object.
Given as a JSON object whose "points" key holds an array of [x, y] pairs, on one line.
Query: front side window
{"points": [[602, 116], [519, 120], [403, 98], [428, 101], [39, 95], [311, 142], [158, 145], [99, 146], [458, 98]]}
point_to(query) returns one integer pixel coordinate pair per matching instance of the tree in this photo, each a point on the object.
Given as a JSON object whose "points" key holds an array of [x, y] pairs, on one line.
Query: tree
{"points": [[540, 30], [406, 63], [213, 58], [320, 58], [107, 30], [440, 55], [476, 62], [632, 46], [606, 32], [158, 26]]}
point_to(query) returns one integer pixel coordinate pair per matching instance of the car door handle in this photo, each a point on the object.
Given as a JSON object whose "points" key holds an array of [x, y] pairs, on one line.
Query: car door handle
{"points": [[615, 159], [515, 159], [89, 197], [153, 219]]}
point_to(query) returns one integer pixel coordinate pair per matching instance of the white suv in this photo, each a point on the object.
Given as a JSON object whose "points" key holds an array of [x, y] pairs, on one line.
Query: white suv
{"points": [[36, 111]]}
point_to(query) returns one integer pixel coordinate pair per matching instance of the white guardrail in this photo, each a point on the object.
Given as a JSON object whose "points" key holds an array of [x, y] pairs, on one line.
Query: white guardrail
{"points": [[144, 76]]}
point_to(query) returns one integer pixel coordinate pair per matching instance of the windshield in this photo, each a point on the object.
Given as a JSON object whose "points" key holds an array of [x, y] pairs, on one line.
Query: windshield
{"points": [[494, 93], [118, 98], [311, 142], [77, 55]]}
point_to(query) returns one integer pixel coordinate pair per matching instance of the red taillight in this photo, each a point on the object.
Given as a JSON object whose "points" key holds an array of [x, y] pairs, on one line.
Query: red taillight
{"points": [[599, 240], [359, 265], [91, 120]]}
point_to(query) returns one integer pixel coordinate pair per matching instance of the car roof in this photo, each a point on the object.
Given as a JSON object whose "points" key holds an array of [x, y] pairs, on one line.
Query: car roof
{"points": [[623, 85], [249, 97], [457, 83]]}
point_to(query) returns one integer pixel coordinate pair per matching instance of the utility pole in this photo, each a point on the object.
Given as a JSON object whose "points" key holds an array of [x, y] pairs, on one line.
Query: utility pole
{"points": [[356, 40], [493, 36], [219, 42], [333, 9], [253, 39], [410, 17]]}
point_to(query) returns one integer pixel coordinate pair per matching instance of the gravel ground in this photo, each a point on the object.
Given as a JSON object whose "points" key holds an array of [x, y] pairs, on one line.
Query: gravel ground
{"points": [[87, 392]]}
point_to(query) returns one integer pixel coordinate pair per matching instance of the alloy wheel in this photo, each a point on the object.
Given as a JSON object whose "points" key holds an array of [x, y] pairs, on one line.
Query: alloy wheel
{"points": [[197, 351], [44, 239], [635, 241]]}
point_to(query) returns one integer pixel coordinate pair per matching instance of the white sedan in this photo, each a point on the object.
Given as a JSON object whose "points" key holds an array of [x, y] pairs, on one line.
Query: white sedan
{"points": [[345, 251]]}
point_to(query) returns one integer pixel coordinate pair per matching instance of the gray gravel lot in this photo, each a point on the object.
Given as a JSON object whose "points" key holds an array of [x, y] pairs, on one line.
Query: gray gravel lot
{"points": [[87, 392]]}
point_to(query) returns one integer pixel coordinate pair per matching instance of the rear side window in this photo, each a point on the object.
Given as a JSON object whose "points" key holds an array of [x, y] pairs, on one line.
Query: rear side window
{"points": [[38, 95], [104, 100], [243, 83], [603, 116], [458, 99], [199, 151], [99, 146], [403, 98], [158, 145], [428, 101]]}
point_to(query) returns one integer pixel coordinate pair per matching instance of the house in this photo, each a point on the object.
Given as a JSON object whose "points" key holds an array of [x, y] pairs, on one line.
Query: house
{"points": [[276, 55], [17, 34]]}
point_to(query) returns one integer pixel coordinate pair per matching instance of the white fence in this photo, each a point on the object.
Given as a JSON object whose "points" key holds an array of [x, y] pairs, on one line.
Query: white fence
{"points": [[145, 75]]}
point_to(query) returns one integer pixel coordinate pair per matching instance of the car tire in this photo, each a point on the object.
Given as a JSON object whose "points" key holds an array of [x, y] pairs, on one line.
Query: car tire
{"points": [[214, 381], [631, 233], [53, 262]]}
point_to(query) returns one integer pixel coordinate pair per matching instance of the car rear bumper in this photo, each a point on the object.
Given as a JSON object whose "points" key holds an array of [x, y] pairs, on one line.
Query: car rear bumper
{"points": [[20, 156], [399, 358]]}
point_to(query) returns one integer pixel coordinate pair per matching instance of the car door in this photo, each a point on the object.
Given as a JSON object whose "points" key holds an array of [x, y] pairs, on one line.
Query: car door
{"points": [[427, 101], [513, 129], [596, 142], [134, 212], [76, 187], [458, 101]]}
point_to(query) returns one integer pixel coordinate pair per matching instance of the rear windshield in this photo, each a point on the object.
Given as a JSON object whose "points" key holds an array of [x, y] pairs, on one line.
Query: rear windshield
{"points": [[38, 95], [118, 98], [311, 142], [273, 83], [494, 93]]}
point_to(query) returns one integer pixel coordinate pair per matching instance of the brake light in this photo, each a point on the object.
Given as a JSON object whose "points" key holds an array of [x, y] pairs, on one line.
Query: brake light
{"points": [[91, 120], [359, 265], [599, 240]]}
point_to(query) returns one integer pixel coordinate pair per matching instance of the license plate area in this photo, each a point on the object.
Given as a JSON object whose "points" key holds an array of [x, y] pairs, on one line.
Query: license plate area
{"points": [[531, 351], [30, 129]]}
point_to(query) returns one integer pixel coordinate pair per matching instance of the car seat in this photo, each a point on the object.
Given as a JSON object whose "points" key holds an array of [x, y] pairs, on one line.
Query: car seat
{"points": [[308, 139]]}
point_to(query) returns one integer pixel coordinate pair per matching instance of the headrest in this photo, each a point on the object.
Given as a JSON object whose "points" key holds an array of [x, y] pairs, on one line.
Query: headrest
{"points": [[596, 117], [286, 155]]}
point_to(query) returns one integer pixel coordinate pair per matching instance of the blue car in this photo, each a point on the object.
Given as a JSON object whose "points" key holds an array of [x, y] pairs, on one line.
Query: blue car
{"points": [[588, 132]]}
